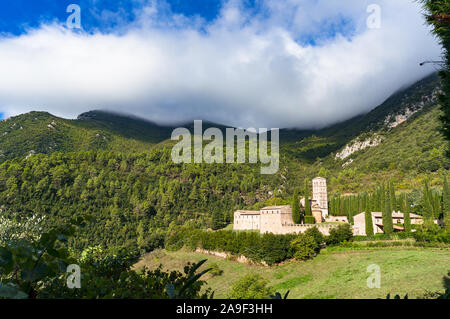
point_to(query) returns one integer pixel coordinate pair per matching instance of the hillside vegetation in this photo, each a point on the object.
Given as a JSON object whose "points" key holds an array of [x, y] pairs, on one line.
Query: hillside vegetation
{"points": [[332, 275], [43, 133]]}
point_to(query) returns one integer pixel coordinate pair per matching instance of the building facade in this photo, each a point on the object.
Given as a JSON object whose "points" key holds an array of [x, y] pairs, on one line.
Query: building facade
{"points": [[359, 227], [278, 219], [275, 220], [247, 220], [320, 195]]}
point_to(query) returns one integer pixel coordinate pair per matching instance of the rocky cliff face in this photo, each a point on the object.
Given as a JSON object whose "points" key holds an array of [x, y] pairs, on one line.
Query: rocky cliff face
{"points": [[357, 145], [408, 109], [403, 106]]}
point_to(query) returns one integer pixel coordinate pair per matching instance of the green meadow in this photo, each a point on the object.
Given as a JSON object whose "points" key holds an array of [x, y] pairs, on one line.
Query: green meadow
{"points": [[332, 274]]}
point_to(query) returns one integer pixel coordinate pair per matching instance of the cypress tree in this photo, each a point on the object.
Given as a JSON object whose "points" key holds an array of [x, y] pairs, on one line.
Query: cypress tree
{"points": [[349, 204], [346, 206], [372, 202], [335, 210], [338, 205], [427, 204], [436, 205], [217, 220], [368, 217], [366, 202], [363, 203], [331, 209], [381, 199], [330, 206], [307, 203], [334, 205], [387, 214], [406, 214], [295, 208], [446, 203], [393, 200]]}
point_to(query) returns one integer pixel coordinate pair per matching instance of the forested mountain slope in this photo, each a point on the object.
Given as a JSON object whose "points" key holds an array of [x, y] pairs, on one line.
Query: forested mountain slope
{"points": [[41, 132], [119, 169]]}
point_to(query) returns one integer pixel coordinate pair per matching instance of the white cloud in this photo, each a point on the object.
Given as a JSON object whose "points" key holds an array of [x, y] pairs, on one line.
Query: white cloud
{"points": [[244, 69]]}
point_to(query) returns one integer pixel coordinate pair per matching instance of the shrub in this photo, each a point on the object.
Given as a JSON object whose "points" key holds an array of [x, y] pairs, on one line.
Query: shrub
{"points": [[215, 270], [435, 235], [305, 247], [316, 234], [251, 287], [310, 220], [275, 248], [382, 236], [340, 234]]}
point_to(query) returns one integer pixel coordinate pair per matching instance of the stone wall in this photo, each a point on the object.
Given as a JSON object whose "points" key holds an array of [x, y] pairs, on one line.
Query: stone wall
{"points": [[333, 219], [295, 229], [226, 255], [270, 222]]}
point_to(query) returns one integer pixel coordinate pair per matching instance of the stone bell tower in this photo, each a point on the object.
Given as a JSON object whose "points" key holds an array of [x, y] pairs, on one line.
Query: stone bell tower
{"points": [[320, 194]]}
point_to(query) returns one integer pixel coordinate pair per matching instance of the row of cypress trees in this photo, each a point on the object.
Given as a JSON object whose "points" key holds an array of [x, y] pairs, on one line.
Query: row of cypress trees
{"points": [[435, 205]]}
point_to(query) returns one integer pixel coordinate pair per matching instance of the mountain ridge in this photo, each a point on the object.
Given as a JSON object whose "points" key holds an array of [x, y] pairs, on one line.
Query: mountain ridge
{"points": [[42, 132]]}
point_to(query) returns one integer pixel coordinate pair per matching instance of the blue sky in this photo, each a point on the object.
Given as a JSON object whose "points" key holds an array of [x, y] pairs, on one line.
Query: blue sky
{"points": [[18, 15], [243, 63]]}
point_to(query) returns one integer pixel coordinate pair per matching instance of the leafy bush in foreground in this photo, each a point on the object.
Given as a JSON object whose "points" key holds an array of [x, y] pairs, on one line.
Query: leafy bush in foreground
{"points": [[305, 247], [340, 234], [36, 269], [251, 287]]}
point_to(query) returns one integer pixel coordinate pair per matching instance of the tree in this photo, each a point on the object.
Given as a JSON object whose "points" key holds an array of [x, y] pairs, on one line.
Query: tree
{"points": [[393, 200], [316, 234], [369, 224], [406, 213], [295, 208], [446, 203], [217, 220], [427, 205], [340, 234], [305, 247], [387, 214], [307, 203], [438, 17], [251, 286]]}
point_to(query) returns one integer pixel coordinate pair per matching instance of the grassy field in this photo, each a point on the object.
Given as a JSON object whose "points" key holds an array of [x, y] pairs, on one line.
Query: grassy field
{"points": [[332, 274]]}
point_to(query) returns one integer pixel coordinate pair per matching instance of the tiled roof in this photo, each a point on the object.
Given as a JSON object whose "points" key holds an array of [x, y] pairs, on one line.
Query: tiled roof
{"points": [[274, 207], [248, 212], [395, 215]]}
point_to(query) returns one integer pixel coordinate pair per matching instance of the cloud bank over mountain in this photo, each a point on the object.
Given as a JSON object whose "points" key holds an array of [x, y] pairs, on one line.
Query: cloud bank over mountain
{"points": [[293, 63]]}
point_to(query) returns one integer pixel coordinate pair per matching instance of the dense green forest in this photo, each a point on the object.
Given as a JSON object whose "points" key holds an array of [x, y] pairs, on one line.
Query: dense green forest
{"points": [[130, 196]]}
